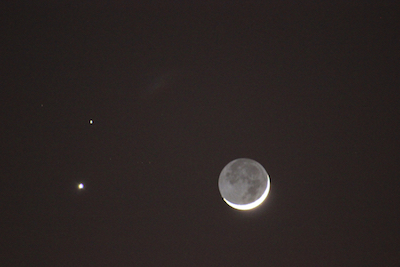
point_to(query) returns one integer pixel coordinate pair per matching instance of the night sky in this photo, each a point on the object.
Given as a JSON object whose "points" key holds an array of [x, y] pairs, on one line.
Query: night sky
{"points": [[177, 91]]}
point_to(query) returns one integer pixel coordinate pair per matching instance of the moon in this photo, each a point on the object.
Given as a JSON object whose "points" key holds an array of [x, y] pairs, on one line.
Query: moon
{"points": [[244, 184]]}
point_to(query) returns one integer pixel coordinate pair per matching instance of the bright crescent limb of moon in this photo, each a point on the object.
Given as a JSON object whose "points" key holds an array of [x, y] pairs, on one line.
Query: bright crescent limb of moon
{"points": [[253, 204]]}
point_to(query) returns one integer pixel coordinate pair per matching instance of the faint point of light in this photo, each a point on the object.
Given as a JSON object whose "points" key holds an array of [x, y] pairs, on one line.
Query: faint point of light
{"points": [[81, 186], [91, 121], [252, 205]]}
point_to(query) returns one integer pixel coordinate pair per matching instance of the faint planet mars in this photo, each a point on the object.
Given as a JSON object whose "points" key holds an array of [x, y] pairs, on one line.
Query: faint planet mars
{"points": [[244, 184]]}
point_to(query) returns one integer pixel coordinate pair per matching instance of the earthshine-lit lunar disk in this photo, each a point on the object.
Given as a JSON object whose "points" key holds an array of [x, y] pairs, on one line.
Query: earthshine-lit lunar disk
{"points": [[244, 184]]}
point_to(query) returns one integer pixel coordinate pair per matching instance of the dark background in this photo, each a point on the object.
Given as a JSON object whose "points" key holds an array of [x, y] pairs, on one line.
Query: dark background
{"points": [[176, 91]]}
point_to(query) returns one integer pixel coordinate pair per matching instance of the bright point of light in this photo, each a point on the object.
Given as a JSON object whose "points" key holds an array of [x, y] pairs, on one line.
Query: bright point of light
{"points": [[91, 121], [80, 186]]}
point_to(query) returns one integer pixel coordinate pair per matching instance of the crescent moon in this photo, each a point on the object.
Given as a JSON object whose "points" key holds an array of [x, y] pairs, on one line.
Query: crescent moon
{"points": [[244, 184]]}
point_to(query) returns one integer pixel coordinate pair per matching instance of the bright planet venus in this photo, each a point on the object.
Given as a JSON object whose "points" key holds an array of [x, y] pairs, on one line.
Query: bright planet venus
{"points": [[244, 184]]}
